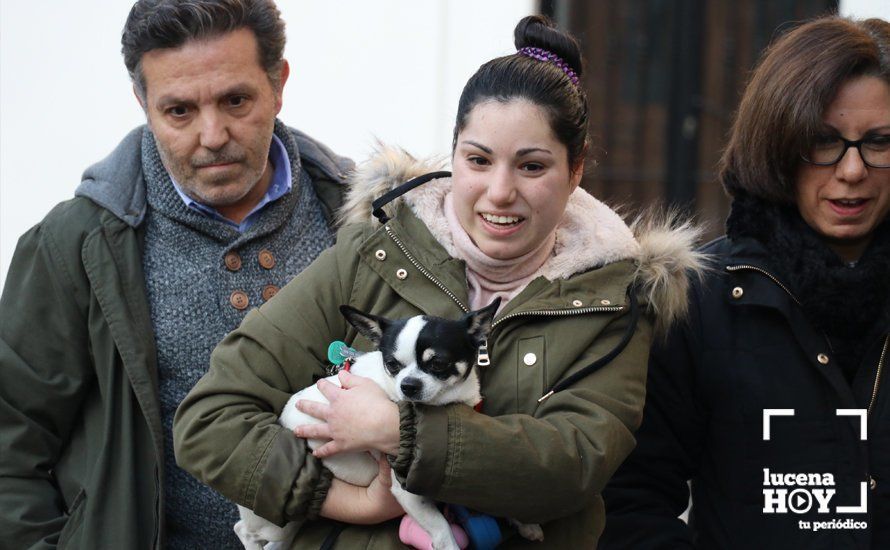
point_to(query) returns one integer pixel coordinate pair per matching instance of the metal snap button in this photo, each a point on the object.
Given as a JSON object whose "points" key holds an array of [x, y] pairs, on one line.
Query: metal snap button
{"points": [[380, 255], [605, 302], [822, 358], [577, 303], [738, 292], [872, 483], [530, 359], [402, 274]]}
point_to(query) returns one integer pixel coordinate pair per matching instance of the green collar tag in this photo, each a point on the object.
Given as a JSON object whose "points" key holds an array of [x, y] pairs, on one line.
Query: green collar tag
{"points": [[338, 352]]}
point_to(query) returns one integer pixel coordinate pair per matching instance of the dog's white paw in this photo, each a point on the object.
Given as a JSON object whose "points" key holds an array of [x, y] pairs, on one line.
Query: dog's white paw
{"points": [[250, 539], [529, 531]]}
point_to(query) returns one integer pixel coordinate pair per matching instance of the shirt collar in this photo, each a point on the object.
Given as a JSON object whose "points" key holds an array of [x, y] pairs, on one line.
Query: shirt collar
{"points": [[280, 185]]}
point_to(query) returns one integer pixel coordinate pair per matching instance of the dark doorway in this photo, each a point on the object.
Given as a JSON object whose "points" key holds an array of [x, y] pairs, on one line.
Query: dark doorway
{"points": [[664, 78]]}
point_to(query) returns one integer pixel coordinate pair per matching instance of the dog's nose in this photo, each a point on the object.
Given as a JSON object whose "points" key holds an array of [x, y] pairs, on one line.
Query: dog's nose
{"points": [[411, 387]]}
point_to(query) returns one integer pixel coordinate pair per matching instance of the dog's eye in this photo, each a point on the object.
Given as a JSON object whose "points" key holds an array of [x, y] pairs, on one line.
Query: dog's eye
{"points": [[391, 364], [438, 364]]}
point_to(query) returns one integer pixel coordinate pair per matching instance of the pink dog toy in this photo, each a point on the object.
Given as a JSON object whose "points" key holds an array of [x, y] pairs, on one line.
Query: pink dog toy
{"points": [[411, 534]]}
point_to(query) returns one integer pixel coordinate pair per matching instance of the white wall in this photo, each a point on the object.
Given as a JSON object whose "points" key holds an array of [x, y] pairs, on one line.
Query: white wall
{"points": [[863, 9], [392, 69]]}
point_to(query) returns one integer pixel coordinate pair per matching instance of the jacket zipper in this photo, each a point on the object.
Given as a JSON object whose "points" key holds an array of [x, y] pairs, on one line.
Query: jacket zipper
{"points": [[558, 312], [732, 268], [874, 391], [423, 270], [483, 350]]}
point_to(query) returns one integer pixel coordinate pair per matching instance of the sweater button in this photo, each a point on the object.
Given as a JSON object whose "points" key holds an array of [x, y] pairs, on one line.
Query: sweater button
{"points": [[233, 261], [401, 274], [738, 292], [267, 260], [380, 255], [239, 300], [269, 291], [822, 358]]}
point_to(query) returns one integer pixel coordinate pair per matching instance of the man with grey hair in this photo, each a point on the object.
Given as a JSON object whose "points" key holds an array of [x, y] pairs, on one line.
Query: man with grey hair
{"points": [[115, 300]]}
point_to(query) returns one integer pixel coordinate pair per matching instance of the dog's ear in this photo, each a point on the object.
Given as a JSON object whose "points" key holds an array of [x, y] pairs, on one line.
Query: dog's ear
{"points": [[369, 326], [479, 322]]}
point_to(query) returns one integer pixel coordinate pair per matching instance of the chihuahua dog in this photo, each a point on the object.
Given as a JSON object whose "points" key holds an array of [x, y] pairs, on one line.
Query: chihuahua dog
{"points": [[422, 359]]}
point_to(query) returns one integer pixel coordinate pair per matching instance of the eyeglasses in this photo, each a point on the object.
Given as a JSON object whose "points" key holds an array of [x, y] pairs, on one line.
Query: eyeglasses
{"points": [[827, 150]]}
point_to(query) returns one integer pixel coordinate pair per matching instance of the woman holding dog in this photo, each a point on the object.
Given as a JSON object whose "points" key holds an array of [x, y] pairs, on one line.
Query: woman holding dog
{"points": [[580, 290], [794, 317]]}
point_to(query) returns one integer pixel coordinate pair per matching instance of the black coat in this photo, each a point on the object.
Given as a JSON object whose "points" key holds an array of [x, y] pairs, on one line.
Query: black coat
{"points": [[746, 347]]}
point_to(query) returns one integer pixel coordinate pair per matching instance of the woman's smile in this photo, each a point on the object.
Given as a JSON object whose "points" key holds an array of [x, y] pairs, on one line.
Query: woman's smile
{"points": [[511, 179], [501, 225]]}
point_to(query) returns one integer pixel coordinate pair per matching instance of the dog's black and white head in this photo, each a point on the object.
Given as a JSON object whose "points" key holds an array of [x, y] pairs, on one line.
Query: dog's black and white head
{"points": [[429, 358]]}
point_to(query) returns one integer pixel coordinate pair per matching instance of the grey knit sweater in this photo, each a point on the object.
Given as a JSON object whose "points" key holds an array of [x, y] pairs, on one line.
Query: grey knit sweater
{"points": [[197, 290]]}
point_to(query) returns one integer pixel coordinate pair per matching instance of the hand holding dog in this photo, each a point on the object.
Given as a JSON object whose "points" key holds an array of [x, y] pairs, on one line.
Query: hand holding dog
{"points": [[379, 493], [342, 417], [360, 417], [363, 505]]}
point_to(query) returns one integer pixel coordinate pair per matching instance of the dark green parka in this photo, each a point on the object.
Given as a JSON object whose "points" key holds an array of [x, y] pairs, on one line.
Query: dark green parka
{"points": [[80, 428], [537, 462]]}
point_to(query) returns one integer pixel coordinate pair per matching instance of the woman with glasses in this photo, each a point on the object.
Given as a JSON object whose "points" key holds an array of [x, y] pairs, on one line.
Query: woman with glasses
{"points": [[772, 404]]}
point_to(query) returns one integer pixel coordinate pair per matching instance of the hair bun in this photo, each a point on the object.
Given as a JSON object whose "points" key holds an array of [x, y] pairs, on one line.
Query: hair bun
{"points": [[537, 31]]}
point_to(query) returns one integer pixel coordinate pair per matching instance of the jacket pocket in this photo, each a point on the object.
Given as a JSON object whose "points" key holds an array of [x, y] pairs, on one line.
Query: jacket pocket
{"points": [[75, 519]]}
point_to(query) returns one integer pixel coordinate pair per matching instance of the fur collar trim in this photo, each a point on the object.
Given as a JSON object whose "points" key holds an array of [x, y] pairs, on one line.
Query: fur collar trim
{"points": [[591, 234]]}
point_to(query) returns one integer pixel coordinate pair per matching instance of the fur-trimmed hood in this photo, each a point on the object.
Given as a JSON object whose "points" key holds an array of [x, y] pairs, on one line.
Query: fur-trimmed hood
{"points": [[590, 235]]}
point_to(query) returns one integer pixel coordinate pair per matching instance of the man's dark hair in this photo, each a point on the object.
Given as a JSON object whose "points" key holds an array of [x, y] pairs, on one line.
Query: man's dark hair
{"points": [[781, 110], [154, 24]]}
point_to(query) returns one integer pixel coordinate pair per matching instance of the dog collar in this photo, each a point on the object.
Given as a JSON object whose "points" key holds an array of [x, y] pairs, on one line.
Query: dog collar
{"points": [[341, 356]]}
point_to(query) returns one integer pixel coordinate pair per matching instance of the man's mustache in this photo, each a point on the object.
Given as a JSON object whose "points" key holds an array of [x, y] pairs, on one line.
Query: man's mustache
{"points": [[223, 157]]}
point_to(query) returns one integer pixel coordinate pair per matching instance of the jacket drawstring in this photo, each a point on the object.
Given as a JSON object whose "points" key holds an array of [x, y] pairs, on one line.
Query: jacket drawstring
{"points": [[605, 359], [393, 194]]}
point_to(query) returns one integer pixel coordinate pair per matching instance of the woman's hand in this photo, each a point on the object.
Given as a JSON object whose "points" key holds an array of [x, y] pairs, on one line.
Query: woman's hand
{"points": [[360, 417], [363, 505], [379, 495]]}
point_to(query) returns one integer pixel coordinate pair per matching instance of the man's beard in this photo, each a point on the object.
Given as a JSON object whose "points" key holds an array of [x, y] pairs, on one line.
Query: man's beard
{"points": [[206, 189]]}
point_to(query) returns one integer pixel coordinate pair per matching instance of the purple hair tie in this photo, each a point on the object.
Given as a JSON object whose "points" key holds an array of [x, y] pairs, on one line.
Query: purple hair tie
{"points": [[543, 55]]}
